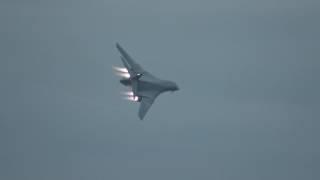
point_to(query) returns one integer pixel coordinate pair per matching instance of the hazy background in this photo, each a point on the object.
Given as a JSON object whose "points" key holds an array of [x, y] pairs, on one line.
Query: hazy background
{"points": [[248, 107]]}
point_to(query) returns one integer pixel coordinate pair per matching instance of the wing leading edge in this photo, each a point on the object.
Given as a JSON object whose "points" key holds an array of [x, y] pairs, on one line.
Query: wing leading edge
{"points": [[148, 98], [128, 62]]}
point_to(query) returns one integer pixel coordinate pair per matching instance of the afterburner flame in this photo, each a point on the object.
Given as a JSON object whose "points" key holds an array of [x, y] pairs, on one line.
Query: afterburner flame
{"points": [[124, 75], [132, 98], [129, 93], [120, 69]]}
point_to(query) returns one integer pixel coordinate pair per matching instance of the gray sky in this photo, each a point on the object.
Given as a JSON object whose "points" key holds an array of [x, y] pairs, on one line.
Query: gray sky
{"points": [[248, 107]]}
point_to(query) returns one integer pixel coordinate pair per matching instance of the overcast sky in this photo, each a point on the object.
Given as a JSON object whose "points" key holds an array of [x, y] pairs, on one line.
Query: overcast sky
{"points": [[248, 105]]}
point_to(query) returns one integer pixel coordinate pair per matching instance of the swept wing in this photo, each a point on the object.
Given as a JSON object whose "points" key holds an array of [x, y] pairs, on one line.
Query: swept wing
{"points": [[148, 98], [129, 63]]}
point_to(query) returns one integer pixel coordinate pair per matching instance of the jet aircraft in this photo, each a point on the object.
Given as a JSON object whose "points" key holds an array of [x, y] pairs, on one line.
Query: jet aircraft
{"points": [[144, 86]]}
